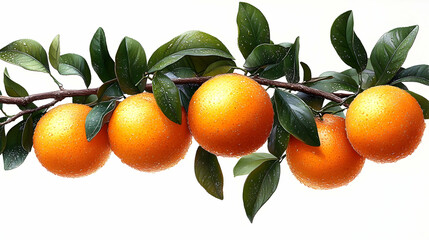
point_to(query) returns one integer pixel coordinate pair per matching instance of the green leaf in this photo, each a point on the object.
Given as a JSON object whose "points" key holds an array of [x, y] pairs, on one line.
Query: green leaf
{"points": [[27, 134], [14, 154], [131, 66], [208, 173], [334, 108], [73, 64], [248, 163], [339, 82], [54, 52], [307, 71], [26, 53], [313, 101], [418, 73], [260, 186], [279, 137], [191, 43], [291, 63], [423, 102], [100, 58], [183, 72], [276, 70], [109, 90], [167, 97], [253, 28], [346, 42], [99, 115], [2, 135], [390, 52], [186, 92], [13, 89], [265, 54], [296, 117], [219, 67], [85, 99]]}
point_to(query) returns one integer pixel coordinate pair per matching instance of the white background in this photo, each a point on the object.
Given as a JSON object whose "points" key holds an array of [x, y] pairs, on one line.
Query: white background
{"points": [[389, 201]]}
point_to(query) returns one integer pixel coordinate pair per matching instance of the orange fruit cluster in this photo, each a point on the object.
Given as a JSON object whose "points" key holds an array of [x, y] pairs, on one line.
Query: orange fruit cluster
{"points": [[232, 115], [229, 115]]}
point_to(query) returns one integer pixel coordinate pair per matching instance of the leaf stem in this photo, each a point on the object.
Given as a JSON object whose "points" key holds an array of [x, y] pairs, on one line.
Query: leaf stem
{"points": [[60, 85]]}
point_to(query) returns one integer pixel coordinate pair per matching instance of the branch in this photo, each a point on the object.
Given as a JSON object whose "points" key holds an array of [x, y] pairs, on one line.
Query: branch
{"points": [[28, 111], [59, 95]]}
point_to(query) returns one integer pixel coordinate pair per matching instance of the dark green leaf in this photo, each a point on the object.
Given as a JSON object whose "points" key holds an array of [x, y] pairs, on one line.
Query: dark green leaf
{"points": [[260, 186], [27, 134], [307, 71], [265, 54], [339, 82], [273, 71], [182, 72], [73, 64], [85, 99], [54, 52], [13, 89], [291, 63], [2, 135], [186, 92], [100, 58], [418, 73], [131, 66], [219, 67], [26, 53], [334, 108], [191, 43], [279, 137], [167, 97], [390, 52], [423, 102], [98, 116], [208, 173], [346, 42], [313, 101], [109, 90], [247, 164], [14, 154], [296, 117], [253, 28], [276, 70]]}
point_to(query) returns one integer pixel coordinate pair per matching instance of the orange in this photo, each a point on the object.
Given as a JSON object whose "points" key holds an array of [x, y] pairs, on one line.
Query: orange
{"points": [[230, 115], [60, 142], [144, 138], [333, 164], [384, 124]]}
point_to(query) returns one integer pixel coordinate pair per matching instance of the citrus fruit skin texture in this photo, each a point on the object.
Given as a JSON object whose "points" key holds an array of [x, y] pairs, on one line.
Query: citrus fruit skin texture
{"points": [[144, 138], [230, 115], [61, 146], [384, 124], [333, 164]]}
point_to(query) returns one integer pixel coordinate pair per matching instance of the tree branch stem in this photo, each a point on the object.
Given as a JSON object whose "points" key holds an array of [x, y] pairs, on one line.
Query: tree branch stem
{"points": [[59, 95]]}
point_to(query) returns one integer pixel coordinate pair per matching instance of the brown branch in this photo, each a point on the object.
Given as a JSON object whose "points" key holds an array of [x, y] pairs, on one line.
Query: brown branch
{"points": [[28, 111], [65, 93]]}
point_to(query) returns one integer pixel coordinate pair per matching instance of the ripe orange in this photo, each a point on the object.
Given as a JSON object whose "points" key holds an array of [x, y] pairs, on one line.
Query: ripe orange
{"points": [[60, 142], [331, 165], [230, 115], [384, 124], [144, 138]]}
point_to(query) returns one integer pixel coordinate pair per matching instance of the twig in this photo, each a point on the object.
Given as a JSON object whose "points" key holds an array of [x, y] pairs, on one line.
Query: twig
{"points": [[28, 111], [65, 93]]}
